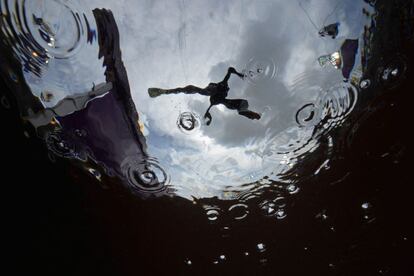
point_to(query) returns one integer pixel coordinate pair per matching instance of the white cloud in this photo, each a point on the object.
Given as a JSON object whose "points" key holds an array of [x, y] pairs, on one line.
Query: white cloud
{"points": [[168, 44]]}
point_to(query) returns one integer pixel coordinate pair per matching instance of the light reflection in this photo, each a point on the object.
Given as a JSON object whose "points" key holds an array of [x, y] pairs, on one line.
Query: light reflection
{"points": [[231, 151], [232, 159], [334, 59], [261, 247]]}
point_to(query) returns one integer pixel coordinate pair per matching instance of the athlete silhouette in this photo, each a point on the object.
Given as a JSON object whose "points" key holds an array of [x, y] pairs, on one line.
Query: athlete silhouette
{"points": [[217, 93]]}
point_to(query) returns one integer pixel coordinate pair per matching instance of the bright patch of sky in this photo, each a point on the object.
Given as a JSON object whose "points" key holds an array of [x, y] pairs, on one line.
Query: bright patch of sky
{"points": [[168, 44]]}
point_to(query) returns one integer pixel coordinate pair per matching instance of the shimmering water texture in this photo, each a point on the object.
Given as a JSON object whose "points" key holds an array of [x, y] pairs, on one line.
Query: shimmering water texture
{"points": [[248, 122], [52, 40], [70, 79], [270, 110]]}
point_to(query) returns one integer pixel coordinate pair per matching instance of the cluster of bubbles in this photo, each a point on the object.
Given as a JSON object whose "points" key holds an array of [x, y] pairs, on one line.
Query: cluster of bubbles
{"points": [[251, 201], [221, 258], [367, 212], [393, 72], [237, 211], [274, 208]]}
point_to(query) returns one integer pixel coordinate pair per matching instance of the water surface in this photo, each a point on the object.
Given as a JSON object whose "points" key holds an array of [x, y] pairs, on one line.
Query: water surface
{"points": [[319, 184]]}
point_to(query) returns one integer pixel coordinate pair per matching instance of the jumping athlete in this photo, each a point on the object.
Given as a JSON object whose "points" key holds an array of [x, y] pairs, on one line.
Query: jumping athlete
{"points": [[217, 93]]}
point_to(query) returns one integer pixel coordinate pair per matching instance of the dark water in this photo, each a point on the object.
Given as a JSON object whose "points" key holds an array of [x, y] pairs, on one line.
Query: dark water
{"points": [[102, 177]]}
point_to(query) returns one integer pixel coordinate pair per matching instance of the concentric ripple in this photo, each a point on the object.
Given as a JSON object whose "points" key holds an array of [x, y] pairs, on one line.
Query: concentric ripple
{"points": [[38, 30], [145, 176], [58, 144], [333, 105], [260, 69], [56, 26], [188, 122], [307, 115]]}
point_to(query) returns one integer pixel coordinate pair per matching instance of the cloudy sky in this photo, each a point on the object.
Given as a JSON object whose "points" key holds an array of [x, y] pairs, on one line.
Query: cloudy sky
{"points": [[174, 43]]}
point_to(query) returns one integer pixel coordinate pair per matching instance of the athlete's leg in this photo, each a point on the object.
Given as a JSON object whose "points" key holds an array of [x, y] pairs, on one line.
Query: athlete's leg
{"points": [[242, 107], [190, 89]]}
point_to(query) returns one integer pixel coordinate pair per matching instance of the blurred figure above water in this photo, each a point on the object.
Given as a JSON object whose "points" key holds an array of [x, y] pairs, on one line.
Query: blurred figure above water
{"points": [[330, 30], [344, 59]]}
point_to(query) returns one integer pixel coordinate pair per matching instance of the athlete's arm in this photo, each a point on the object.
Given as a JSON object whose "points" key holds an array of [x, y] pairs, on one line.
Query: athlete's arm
{"points": [[230, 71]]}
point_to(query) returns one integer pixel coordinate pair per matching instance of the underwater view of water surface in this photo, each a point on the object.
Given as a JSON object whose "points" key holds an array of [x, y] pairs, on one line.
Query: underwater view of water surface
{"points": [[237, 137]]}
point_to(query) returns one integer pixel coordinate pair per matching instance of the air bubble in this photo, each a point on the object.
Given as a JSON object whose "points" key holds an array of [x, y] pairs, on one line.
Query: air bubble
{"points": [[188, 122], [212, 214], [268, 208], [261, 247], [280, 214], [292, 189], [308, 115], [225, 232], [322, 215], [239, 211], [188, 262], [365, 205], [364, 84]]}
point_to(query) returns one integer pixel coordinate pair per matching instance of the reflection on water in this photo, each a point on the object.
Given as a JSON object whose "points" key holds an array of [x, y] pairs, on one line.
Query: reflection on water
{"points": [[138, 123], [54, 42], [231, 151], [71, 63]]}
